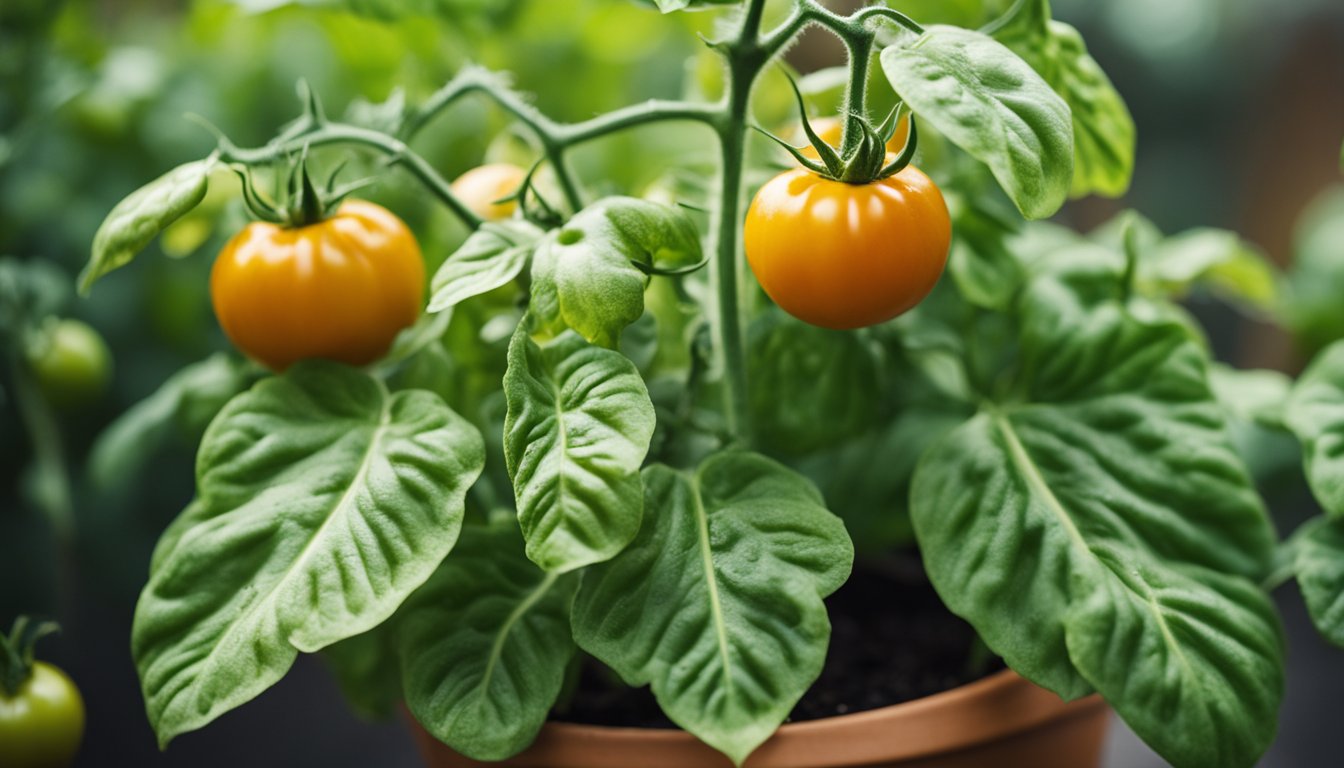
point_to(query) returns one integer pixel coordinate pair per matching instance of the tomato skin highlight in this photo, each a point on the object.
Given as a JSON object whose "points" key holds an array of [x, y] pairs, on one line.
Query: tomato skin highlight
{"points": [[480, 187], [43, 724], [845, 256], [339, 290]]}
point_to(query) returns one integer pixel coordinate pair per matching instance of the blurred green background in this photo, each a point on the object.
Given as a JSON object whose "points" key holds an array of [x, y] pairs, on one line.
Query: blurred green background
{"points": [[1239, 106]]}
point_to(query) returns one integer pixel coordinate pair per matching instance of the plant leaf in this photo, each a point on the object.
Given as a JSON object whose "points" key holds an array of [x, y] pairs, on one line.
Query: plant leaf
{"points": [[365, 667], [835, 374], [993, 105], [718, 603], [1319, 563], [578, 427], [484, 645], [1315, 413], [1314, 310], [1190, 658], [493, 256], [584, 275], [139, 218], [1103, 130], [183, 405], [323, 502], [1116, 460]]}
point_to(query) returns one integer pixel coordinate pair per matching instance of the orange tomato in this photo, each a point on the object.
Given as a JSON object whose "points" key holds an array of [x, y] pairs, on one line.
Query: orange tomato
{"points": [[843, 255], [480, 187], [830, 129], [340, 289]]}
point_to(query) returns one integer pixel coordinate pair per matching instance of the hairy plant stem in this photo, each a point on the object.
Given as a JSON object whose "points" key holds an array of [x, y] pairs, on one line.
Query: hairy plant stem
{"points": [[747, 55]]}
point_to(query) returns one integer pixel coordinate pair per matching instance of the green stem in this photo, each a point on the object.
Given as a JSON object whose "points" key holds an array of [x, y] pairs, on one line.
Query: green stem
{"points": [[337, 133], [860, 49], [48, 453], [747, 57]]}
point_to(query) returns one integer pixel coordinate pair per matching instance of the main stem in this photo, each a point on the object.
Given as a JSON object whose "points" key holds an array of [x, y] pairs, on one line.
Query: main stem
{"points": [[726, 283], [747, 57]]}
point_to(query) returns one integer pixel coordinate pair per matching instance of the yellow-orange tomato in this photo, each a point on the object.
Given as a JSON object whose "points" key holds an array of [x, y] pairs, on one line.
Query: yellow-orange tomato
{"points": [[831, 130], [480, 187], [340, 289], [848, 255]]}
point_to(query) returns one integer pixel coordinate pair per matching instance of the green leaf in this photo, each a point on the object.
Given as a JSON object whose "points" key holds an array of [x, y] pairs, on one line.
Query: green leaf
{"points": [[1315, 413], [492, 257], [182, 407], [811, 387], [484, 645], [1319, 562], [578, 427], [1191, 659], [139, 218], [718, 603], [1314, 310], [365, 667], [1215, 258], [1111, 478], [993, 105], [1256, 396], [586, 276], [1103, 130], [323, 501]]}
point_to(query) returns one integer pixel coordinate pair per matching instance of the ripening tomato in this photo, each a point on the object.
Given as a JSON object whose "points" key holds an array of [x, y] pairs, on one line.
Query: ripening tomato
{"points": [[843, 255], [830, 130], [42, 723], [480, 187], [340, 289]]}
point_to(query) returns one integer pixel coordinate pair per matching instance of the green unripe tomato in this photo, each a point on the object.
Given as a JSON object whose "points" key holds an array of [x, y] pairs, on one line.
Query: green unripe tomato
{"points": [[71, 362], [42, 725]]}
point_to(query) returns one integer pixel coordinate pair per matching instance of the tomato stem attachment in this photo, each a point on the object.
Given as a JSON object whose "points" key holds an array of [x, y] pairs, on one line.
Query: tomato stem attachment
{"points": [[17, 652]]}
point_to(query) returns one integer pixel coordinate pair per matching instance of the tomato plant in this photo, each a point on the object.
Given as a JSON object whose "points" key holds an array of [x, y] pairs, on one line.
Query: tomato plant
{"points": [[596, 381], [41, 711]]}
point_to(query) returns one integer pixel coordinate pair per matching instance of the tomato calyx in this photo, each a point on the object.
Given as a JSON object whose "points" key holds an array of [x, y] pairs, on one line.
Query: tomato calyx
{"points": [[863, 162], [300, 202], [16, 652]]}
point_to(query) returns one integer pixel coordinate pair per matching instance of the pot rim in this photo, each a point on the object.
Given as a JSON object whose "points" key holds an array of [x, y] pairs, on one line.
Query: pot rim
{"points": [[994, 707]]}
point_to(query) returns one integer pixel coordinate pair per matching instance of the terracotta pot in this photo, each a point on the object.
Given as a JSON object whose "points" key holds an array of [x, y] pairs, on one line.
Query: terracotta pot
{"points": [[1002, 721]]}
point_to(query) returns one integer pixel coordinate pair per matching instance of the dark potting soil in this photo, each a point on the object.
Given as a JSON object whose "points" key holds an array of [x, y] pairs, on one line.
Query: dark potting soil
{"points": [[892, 641]]}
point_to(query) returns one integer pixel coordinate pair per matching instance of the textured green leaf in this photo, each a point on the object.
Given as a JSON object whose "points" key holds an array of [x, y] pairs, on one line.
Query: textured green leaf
{"points": [[1314, 310], [1191, 659], [323, 502], [139, 218], [1319, 562], [718, 603], [578, 427], [1251, 395], [1116, 459], [1316, 415], [1103, 130], [365, 667], [484, 645], [182, 406], [811, 387], [493, 256], [992, 104], [584, 275]]}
